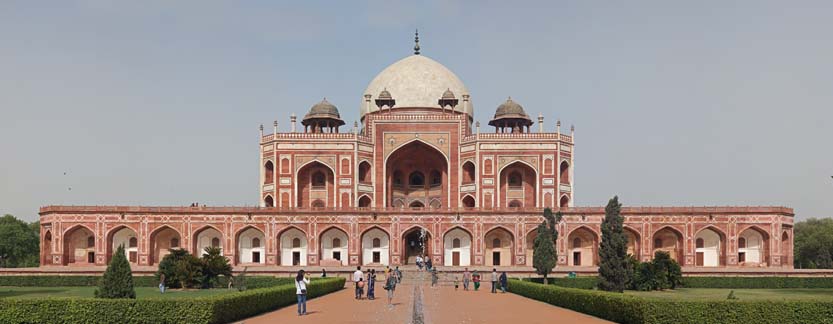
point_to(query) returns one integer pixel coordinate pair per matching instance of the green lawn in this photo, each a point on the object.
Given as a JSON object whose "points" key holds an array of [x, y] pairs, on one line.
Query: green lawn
{"points": [[141, 292], [742, 294]]}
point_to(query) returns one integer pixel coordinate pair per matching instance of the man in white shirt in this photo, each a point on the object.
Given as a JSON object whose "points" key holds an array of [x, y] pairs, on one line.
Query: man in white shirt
{"points": [[357, 276]]}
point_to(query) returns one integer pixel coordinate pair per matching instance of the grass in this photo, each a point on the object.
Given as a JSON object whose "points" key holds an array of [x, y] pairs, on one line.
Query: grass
{"points": [[141, 292], [741, 294]]}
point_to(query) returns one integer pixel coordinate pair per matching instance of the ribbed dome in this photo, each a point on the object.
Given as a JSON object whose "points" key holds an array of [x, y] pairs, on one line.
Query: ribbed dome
{"points": [[323, 110], [415, 82], [510, 109]]}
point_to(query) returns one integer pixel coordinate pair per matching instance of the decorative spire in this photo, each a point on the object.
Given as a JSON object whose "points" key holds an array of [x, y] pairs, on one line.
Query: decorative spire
{"points": [[416, 41]]}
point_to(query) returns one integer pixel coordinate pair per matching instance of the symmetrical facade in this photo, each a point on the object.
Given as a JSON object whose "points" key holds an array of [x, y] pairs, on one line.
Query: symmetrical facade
{"points": [[418, 177]]}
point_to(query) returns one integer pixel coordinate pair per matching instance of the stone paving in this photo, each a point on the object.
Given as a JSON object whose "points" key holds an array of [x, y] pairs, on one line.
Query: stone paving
{"points": [[417, 302]]}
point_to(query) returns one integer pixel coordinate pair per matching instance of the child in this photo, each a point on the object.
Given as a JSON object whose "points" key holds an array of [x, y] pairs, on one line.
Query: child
{"points": [[361, 287], [456, 282]]}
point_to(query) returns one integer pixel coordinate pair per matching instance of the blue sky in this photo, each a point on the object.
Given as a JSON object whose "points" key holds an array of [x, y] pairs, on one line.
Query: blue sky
{"points": [[158, 102]]}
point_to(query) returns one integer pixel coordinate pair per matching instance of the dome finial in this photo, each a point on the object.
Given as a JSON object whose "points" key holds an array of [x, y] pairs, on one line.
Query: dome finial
{"points": [[416, 41]]}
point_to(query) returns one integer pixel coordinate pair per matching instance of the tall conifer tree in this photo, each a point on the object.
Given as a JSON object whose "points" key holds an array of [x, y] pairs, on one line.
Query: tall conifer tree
{"points": [[613, 252], [544, 255], [118, 279]]}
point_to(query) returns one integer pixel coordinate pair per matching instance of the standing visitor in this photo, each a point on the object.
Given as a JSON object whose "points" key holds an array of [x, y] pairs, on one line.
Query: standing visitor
{"points": [[419, 262], [466, 279], [428, 264], [357, 276], [475, 277], [371, 284], [503, 281], [390, 286], [323, 273], [494, 280], [301, 282], [434, 277], [361, 288], [398, 275], [162, 283]]}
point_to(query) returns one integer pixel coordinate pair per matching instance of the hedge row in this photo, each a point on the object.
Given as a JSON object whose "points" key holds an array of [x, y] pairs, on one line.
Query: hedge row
{"points": [[252, 282], [207, 310], [622, 308], [710, 282]]}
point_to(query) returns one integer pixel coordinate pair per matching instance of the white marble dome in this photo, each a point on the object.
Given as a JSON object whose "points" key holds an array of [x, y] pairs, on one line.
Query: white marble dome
{"points": [[416, 82]]}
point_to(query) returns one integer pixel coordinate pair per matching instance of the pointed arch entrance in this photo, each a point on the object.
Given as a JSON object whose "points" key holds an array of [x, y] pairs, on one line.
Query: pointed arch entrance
{"points": [[416, 241], [416, 172], [457, 247], [499, 243], [375, 247]]}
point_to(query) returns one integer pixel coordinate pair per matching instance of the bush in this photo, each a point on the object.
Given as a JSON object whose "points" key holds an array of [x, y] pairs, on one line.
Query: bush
{"points": [[117, 281], [631, 309], [577, 282], [214, 265], [253, 282], [208, 310], [712, 282], [180, 269]]}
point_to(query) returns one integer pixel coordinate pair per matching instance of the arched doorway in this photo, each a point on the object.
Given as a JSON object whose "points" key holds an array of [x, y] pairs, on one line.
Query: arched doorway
{"points": [[752, 247], [457, 248], [162, 240], [708, 248], [79, 246], [375, 247], [416, 172], [46, 249], [416, 241], [293, 247], [498, 243], [315, 185], [565, 201], [583, 244], [251, 247], [334, 247], [207, 237], [633, 242], [518, 185], [468, 173], [786, 250], [669, 240], [126, 237], [364, 172], [468, 201], [364, 202]]}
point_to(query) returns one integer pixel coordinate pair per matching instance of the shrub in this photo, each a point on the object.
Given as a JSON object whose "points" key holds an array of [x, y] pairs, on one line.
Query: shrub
{"points": [[214, 265], [117, 281], [200, 310], [713, 282], [631, 309], [180, 269], [661, 273], [577, 282], [614, 268]]}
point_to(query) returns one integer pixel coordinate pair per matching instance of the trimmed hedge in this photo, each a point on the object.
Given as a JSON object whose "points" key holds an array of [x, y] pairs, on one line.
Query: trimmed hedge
{"points": [[622, 308], [757, 282], [710, 282], [252, 282], [208, 310]]}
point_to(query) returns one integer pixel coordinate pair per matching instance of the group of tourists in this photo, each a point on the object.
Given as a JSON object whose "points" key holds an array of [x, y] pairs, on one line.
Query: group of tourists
{"points": [[424, 262], [392, 278], [499, 281]]}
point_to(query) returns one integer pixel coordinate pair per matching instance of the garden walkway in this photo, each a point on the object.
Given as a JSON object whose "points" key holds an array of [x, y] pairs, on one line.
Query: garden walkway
{"points": [[440, 304]]}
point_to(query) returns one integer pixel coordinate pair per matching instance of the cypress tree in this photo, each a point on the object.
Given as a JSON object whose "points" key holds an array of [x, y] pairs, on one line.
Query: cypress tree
{"points": [[544, 254], [614, 270], [118, 278]]}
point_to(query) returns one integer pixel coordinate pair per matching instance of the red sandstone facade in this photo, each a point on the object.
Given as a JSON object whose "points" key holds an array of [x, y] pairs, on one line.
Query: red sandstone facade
{"points": [[418, 172]]}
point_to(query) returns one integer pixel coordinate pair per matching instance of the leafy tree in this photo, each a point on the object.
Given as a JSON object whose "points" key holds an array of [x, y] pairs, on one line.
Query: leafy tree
{"points": [[659, 274], [181, 269], [118, 279], [813, 244], [544, 255], [19, 243], [214, 265], [613, 252]]}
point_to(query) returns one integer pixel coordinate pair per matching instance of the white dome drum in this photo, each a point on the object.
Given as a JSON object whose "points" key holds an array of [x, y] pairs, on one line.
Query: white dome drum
{"points": [[416, 82]]}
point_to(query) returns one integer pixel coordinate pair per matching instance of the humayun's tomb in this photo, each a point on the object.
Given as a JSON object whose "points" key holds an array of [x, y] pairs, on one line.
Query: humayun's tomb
{"points": [[418, 164]]}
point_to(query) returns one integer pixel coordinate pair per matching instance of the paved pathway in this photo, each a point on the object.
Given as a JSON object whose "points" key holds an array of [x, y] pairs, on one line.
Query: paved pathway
{"points": [[435, 305]]}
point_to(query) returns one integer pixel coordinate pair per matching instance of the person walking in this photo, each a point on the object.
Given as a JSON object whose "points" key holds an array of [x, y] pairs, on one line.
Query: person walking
{"points": [[466, 279], [357, 276], [494, 280], [398, 275], [371, 284], [475, 277], [301, 282], [419, 262], [390, 286], [428, 264], [162, 283], [503, 281]]}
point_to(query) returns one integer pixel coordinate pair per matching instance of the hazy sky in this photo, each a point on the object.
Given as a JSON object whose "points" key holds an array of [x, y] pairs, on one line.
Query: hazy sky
{"points": [[674, 102]]}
